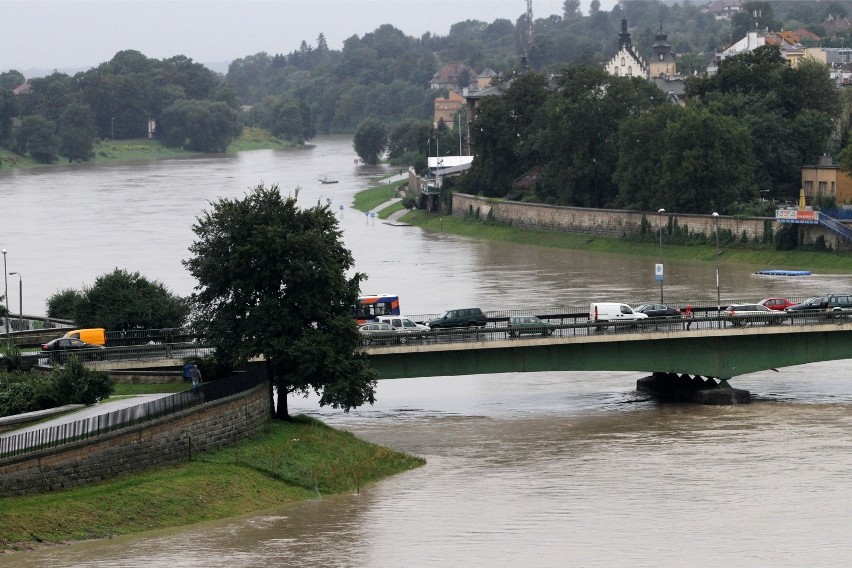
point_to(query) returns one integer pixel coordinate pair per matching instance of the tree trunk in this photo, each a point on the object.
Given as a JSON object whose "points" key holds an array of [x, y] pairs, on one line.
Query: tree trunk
{"points": [[281, 411]]}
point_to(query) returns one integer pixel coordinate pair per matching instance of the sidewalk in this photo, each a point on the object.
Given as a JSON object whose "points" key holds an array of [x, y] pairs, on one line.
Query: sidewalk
{"points": [[393, 218]]}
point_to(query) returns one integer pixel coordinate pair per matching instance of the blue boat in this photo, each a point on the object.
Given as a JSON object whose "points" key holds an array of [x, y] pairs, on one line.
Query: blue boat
{"points": [[784, 272]]}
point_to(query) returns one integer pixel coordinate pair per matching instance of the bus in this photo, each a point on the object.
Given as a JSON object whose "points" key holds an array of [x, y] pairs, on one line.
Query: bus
{"points": [[368, 307]]}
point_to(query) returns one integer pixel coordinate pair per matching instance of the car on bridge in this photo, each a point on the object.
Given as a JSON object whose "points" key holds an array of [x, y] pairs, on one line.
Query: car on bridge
{"points": [[529, 325], [467, 317], [777, 304], [807, 305], [658, 311], [741, 315], [379, 333], [60, 348]]}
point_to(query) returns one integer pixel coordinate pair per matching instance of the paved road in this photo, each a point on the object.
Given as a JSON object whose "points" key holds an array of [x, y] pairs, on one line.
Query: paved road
{"points": [[89, 411]]}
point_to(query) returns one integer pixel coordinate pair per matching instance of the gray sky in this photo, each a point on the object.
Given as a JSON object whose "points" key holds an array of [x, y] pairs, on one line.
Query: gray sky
{"points": [[79, 34]]}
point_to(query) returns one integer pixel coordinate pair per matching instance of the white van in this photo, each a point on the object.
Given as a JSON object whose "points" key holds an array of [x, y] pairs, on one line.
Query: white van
{"points": [[402, 323], [613, 313]]}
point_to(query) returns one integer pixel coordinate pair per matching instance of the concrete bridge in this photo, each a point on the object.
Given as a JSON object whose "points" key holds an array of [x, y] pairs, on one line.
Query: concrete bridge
{"points": [[718, 352]]}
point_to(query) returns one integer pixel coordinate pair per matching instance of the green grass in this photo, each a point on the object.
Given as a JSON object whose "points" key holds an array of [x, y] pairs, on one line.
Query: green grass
{"points": [[763, 257], [369, 199], [285, 463], [144, 149], [122, 389], [388, 211]]}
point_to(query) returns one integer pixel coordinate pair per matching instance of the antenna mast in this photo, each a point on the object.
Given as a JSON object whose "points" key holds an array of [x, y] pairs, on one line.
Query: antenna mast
{"points": [[529, 23]]}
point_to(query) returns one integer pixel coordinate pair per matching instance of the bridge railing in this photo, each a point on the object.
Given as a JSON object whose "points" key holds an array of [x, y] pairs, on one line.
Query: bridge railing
{"points": [[556, 326], [34, 440]]}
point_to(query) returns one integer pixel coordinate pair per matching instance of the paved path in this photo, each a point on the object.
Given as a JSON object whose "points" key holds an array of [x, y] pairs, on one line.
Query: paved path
{"points": [[89, 411]]}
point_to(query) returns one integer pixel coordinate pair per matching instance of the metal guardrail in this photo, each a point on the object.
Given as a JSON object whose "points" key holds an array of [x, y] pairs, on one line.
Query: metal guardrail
{"points": [[53, 436], [709, 319], [147, 352]]}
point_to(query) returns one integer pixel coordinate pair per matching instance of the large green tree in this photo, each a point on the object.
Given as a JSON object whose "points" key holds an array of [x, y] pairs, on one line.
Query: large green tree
{"points": [[274, 280], [37, 137], [127, 300], [202, 126]]}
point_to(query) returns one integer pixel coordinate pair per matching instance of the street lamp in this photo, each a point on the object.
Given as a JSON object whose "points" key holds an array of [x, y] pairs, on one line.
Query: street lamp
{"points": [[660, 267], [6, 282], [20, 299], [718, 301]]}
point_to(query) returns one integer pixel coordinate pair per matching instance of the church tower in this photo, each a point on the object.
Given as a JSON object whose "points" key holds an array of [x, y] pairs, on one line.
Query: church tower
{"points": [[663, 63], [627, 63]]}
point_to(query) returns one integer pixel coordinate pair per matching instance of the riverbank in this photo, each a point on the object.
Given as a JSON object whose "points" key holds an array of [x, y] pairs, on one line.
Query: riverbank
{"points": [[144, 149], [285, 463], [764, 257]]}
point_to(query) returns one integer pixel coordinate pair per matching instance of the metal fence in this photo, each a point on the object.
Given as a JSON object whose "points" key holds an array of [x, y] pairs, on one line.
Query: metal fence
{"points": [[577, 324], [53, 436]]}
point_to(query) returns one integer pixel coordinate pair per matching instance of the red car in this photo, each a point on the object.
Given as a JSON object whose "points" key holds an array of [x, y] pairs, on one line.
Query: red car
{"points": [[777, 304]]}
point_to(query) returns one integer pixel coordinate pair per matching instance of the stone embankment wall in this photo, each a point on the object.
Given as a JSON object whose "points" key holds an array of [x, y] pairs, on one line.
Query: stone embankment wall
{"points": [[617, 223], [158, 442]]}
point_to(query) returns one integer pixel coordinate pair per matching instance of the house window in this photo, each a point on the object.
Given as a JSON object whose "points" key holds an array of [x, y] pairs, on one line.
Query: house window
{"points": [[822, 187], [662, 57], [833, 189], [629, 71], [622, 62], [809, 188], [616, 70]]}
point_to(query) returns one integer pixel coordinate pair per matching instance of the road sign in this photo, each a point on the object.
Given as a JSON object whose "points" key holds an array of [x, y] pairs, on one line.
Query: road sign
{"points": [[658, 271]]}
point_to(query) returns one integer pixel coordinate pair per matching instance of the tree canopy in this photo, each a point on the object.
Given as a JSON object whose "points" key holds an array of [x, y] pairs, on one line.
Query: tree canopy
{"points": [[120, 300], [274, 280], [371, 141]]}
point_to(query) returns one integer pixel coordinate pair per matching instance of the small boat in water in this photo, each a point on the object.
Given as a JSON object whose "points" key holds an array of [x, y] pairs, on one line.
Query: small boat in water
{"points": [[327, 179]]}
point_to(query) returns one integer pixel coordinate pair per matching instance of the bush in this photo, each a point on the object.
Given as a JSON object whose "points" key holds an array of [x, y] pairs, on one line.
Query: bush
{"points": [[27, 393], [75, 384]]}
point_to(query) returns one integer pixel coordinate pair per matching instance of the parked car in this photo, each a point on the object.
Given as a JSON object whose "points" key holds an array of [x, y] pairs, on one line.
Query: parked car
{"points": [[747, 314], [379, 333], [610, 313], [807, 305], [836, 304], [658, 311], [403, 323], [59, 348], [777, 304], [466, 317], [528, 325]]}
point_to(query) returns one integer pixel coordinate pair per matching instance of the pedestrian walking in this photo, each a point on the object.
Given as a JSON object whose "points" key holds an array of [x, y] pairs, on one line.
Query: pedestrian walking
{"points": [[195, 375], [688, 314]]}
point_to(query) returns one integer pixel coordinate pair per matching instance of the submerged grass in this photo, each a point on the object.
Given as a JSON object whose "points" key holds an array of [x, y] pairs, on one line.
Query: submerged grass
{"points": [[284, 463]]}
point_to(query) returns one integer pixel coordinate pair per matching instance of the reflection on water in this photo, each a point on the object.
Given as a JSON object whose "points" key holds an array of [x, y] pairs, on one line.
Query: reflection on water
{"points": [[537, 469]]}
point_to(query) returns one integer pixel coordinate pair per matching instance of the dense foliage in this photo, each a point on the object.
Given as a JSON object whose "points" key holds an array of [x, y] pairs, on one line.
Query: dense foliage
{"points": [[71, 384], [120, 300], [272, 281]]}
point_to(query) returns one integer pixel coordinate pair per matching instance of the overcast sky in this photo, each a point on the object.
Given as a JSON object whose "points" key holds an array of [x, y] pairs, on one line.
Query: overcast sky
{"points": [[79, 34]]}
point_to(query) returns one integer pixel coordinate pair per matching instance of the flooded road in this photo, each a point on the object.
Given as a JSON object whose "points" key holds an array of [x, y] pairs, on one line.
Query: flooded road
{"points": [[537, 469]]}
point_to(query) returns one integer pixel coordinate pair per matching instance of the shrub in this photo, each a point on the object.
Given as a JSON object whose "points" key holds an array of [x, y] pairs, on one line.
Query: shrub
{"points": [[75, 384]]}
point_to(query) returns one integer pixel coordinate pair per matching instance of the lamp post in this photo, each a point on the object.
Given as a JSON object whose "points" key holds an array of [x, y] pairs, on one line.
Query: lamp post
{"points": [[6, 282], [660, 266], [718, 301], [20, 299]]}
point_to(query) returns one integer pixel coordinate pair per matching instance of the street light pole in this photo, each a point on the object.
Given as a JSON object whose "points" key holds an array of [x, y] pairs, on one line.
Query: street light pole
{"points": [[661, 271], [20, 299], [6, 282], [718, 300]]}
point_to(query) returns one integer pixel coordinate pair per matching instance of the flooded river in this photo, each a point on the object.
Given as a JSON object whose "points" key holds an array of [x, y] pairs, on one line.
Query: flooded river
{"points": [[537, 469]]}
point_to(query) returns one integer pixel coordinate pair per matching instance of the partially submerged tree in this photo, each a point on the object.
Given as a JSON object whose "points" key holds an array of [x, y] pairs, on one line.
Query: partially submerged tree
{"points": [[272, 282]]}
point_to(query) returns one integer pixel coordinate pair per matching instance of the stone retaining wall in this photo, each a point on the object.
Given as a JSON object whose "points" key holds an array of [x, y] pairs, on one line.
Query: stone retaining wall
{"points": [[158, 442], [618, 223]]}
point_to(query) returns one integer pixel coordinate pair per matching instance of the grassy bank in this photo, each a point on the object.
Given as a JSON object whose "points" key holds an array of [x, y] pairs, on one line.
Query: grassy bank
{"points": [[765, 258], [824, 261], [144, 149], [285, 463]]}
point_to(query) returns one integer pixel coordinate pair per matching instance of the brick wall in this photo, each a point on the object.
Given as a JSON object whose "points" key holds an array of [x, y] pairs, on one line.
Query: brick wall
{"points": [[158, 442], [617, 223]]}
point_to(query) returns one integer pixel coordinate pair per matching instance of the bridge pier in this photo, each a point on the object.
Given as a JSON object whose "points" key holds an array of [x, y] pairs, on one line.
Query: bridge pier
{"points": [[683, 388]]}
